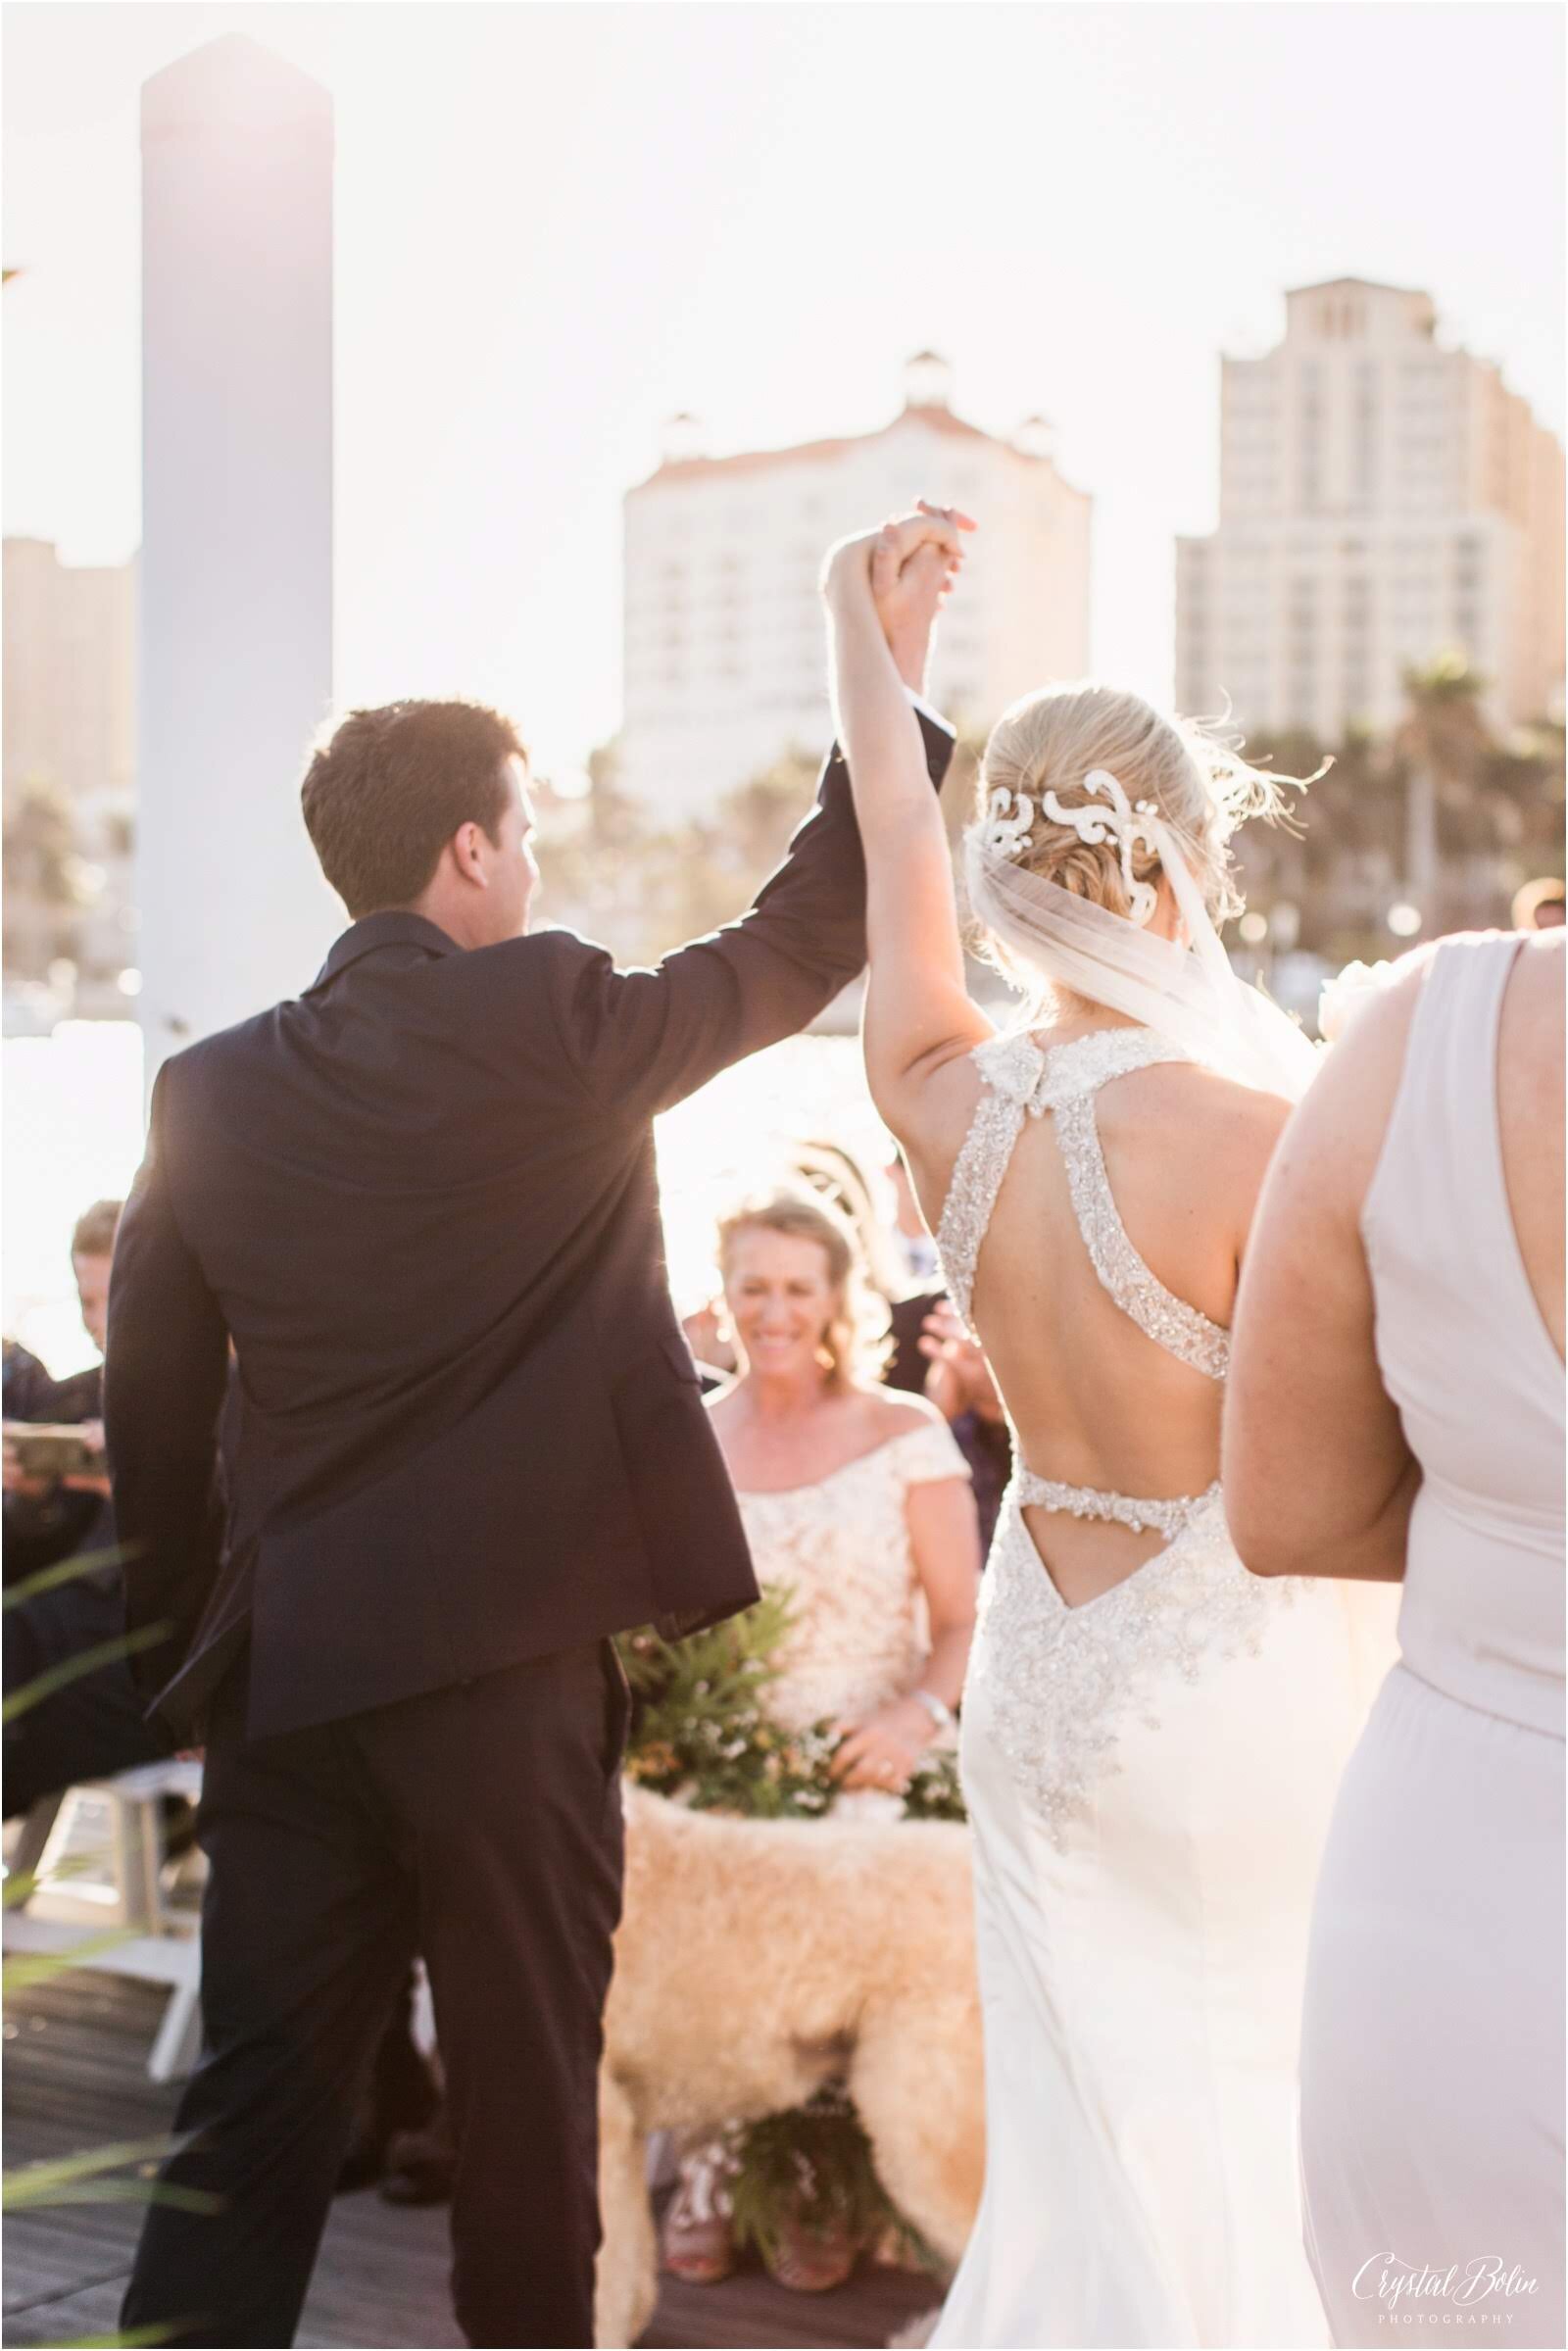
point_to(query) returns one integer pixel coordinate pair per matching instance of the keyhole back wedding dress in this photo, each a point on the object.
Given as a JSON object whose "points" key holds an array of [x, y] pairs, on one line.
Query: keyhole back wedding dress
{"points": [[1149, 1776]]}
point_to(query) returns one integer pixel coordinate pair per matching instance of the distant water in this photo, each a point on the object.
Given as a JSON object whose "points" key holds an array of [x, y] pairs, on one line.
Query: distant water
{"points": [[72, 1134]]}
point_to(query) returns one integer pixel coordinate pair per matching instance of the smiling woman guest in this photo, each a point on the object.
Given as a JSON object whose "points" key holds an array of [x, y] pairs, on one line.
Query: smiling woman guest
{"points": [[856, 1499], [856, 1502]]}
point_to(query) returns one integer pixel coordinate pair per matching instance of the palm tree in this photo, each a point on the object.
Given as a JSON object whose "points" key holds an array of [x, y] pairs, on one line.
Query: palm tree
{"points": [[1444, 745]]}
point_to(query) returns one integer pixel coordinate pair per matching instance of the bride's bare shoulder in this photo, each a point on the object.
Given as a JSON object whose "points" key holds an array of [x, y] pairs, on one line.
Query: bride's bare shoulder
{"points": [[1195, 1114]]}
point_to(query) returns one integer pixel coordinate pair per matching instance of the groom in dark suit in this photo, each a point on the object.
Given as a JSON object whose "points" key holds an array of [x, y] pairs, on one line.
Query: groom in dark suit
{"points": [[421, 1199]]}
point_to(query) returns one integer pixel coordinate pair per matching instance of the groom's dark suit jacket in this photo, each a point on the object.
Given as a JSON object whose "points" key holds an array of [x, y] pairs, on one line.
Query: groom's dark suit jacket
{"points": [[422, 1199]]}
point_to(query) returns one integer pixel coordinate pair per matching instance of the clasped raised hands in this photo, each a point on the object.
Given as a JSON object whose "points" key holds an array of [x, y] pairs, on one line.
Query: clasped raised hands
{"points": [[908, 567], [911, 555]]}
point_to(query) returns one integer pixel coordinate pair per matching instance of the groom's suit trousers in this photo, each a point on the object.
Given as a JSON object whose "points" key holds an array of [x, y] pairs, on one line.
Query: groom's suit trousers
{"points": [[480, 1826]]}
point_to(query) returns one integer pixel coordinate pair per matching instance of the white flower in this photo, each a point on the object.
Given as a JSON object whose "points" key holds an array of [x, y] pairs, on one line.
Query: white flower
{"points": [[1348, 994]]}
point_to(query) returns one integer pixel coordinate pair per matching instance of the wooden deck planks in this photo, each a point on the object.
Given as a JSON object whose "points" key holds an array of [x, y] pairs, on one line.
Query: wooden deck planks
{"points": [[75, 2078]]}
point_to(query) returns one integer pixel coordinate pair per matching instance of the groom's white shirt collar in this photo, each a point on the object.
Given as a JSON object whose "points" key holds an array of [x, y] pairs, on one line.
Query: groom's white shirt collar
{"points": [[926, 711]]}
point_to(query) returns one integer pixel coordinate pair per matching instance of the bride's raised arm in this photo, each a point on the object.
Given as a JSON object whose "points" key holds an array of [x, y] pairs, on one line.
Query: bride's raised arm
{"points": [[918, 1016]]}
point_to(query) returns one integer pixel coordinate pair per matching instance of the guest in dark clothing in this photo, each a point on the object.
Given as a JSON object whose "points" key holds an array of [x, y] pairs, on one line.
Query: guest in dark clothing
{"points": [[46, 1520], [94, 1724], [29, 1392]]}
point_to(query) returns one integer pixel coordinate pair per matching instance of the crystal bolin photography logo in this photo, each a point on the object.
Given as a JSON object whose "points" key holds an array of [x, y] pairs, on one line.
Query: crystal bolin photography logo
{"points": [[1468, 2293]]}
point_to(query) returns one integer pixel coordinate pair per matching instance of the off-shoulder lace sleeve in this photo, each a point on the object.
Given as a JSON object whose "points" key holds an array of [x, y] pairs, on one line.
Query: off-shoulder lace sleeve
{"points": [[928, 1452]]}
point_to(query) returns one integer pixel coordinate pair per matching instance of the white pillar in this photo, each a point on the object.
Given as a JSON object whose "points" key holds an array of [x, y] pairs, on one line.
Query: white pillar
{"points": [[236, 561]]}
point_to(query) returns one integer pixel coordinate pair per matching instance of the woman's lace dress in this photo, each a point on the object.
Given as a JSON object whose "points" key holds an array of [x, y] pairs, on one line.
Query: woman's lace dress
{"points": [[841, 1550], [1148, 1776]]}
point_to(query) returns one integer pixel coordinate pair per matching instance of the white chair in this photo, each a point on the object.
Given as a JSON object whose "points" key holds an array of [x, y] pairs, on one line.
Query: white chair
{"points": [[114, 1885]]}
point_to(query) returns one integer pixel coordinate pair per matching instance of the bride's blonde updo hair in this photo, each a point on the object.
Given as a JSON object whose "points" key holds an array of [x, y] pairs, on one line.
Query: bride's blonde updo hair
{"points": [[855, 1345], [1196, 778]]}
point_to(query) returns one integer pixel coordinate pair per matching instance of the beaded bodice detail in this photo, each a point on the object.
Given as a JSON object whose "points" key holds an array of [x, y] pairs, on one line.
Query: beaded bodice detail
{"points": [[1053, 1682], [1023, 1082], [1053, 1687]]}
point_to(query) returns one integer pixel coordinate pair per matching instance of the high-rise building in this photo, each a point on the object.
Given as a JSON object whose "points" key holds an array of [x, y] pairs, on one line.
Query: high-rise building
{"points": [[69, 767], [1384, 498], [724, 652]]}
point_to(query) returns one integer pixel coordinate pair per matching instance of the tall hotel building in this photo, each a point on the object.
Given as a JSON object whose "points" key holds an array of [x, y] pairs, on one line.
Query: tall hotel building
{"points": [[725, 665], [1383, 500]]}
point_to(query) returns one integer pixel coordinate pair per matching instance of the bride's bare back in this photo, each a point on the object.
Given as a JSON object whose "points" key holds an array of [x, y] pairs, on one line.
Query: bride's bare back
{"points": [[1095, 1401], [1108, 895]]}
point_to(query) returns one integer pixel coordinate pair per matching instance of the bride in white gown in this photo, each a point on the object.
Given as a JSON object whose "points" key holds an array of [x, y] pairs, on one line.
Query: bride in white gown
{"points": [[1151, 1739]]}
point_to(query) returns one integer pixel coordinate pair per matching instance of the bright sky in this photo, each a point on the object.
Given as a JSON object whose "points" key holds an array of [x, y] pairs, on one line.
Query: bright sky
{"points": [[555, 226]]}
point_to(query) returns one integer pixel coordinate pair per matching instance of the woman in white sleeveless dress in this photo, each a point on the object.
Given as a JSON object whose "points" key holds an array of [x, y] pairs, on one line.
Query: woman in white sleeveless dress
{"points": [[1151, 1738], [1397, 1412]]}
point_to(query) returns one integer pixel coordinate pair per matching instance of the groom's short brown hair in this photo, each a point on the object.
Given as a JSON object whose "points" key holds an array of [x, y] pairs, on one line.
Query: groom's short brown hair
{"points": [[387, 789]]}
